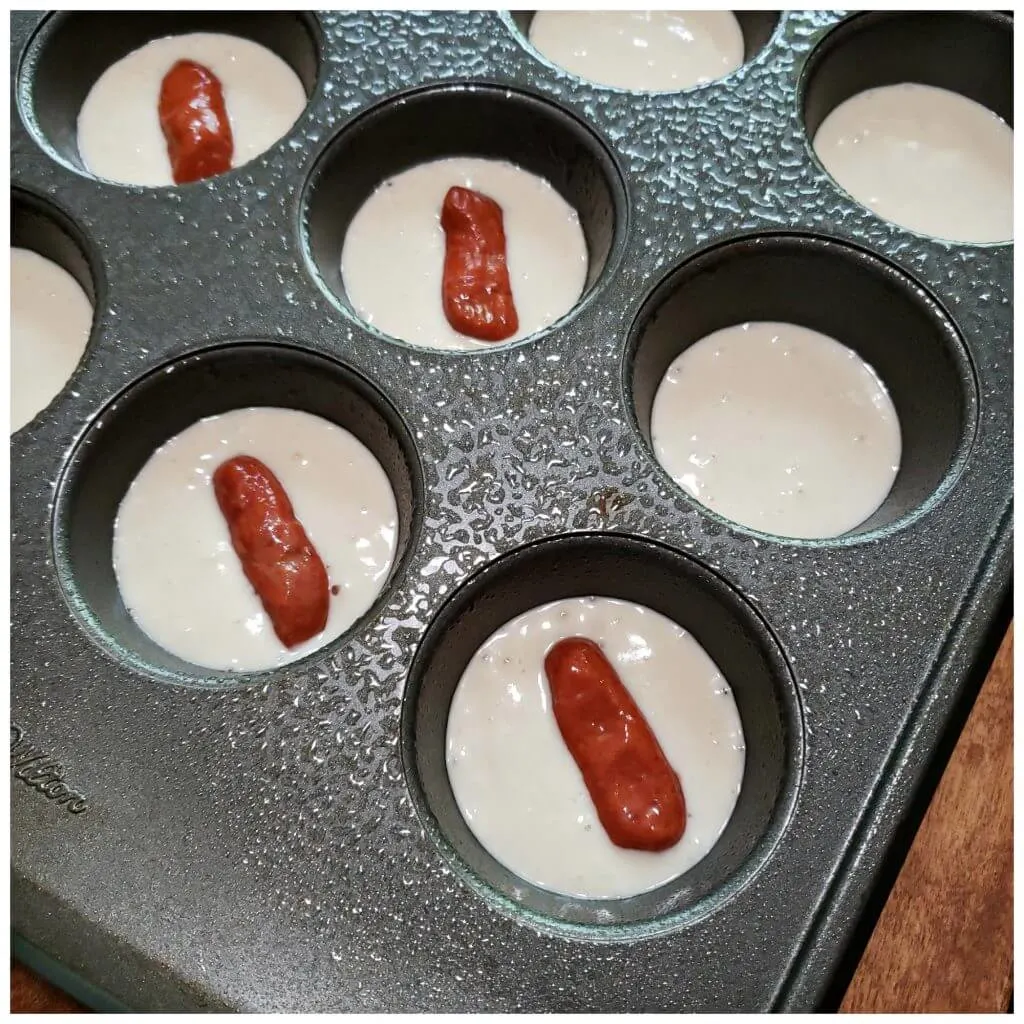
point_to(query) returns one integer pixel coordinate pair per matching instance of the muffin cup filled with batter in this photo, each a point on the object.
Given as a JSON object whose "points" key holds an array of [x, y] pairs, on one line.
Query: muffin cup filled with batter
{"points": [[778, 379], [493, 781], [779, 428], [923, 139], [92, 88], [399, 228], [517, 784], [53, 290], [144, 553], [647, 51], [374, 202], [181, 579]]}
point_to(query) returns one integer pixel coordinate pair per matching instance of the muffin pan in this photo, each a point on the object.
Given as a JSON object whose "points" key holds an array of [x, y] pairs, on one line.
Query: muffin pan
{"points": [[288, 840]]}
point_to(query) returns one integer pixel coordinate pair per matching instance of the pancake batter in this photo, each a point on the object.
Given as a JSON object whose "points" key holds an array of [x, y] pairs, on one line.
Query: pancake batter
{"points": [[392, 260], [179, 576], [119, 134], [778, 428], [51, 318], [519, 788], [646, 51], [927, 159]]}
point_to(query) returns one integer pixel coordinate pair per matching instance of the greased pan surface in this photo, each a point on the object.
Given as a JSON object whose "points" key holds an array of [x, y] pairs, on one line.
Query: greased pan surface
{"points": [[288, 841]]}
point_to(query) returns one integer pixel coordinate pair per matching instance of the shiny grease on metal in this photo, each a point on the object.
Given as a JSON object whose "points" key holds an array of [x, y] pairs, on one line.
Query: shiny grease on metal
{"points": [[280, 813]]}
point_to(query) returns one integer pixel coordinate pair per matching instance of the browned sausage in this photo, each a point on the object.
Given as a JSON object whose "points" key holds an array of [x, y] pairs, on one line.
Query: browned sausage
{"points": [[195, 122], [636, 792], [476, 290], [276, 555]]}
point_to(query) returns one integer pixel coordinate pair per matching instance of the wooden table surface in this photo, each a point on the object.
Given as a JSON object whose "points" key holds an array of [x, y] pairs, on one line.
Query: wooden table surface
{"points": [[944, 939]]}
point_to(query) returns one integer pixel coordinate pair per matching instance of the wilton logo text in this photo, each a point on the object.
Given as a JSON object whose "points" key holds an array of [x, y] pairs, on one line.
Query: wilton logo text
{"points": [[42, 772]]}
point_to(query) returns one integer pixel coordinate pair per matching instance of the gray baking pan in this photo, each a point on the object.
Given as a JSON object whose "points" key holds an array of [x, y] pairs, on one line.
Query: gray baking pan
{"points": [[289, 840]]}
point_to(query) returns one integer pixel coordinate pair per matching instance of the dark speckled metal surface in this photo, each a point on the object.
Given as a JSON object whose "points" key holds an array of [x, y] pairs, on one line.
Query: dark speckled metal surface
{"points": [[257, 847]]}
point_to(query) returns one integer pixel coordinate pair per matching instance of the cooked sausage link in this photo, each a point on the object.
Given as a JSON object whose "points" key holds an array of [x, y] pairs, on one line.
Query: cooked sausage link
{"points": [[477, 292], [278, 559], [636, 792], [195, 122]]}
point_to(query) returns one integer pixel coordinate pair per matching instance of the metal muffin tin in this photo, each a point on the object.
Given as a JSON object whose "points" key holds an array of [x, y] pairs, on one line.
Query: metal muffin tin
{"points": [[288, 840]]}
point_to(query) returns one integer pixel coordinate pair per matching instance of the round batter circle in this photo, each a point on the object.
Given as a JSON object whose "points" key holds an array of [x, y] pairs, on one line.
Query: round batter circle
{"points": [[178, 574], [518, 787], [119, 133], [778, 428], [51, 317], [925, 158], [392, 259], [643, 51]]}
